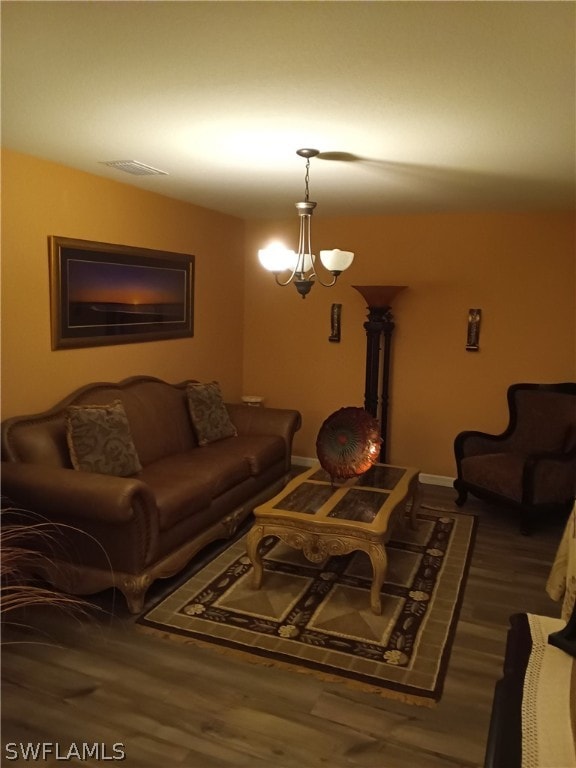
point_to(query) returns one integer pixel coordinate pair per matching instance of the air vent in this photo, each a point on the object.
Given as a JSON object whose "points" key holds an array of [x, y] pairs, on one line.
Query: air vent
{"points": [[134, 167]]}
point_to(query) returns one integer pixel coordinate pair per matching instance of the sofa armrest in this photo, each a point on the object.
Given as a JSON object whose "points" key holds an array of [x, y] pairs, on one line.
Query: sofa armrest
{"points": [[100, 521], [549, 477], [250, 420], [73, 494], [474, 443], [504, 744]]}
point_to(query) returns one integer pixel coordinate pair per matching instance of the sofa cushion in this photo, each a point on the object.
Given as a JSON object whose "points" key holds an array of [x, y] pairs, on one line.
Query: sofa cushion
{"points": [[208, 413], [500, 473], [100, 440], [187, 482], [260, 451], [178, 493]]}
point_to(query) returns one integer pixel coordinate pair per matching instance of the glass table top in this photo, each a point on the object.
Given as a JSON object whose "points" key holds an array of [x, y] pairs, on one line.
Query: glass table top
{"points": [[357, 499], [378, 476]]}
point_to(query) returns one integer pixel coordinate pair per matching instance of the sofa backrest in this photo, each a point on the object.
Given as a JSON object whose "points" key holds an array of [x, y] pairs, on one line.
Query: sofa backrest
{"points": [[543, 417], [157, 412]]}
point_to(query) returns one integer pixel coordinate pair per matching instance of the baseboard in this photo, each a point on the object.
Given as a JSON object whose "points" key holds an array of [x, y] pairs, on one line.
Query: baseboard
{"points": [[436, 480], [427, 479], [302, 461]]}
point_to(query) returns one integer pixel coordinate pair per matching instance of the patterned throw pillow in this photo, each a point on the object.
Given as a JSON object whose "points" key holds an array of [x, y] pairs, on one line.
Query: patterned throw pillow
{"points": [[100, 440], [208, 413]]}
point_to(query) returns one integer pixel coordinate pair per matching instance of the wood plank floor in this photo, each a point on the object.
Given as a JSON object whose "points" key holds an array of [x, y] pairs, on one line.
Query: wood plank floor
{"points": [[69, 679]]}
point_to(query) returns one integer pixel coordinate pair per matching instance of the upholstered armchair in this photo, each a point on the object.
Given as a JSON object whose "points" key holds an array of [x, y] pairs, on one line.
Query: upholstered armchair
{"points": [[532, 464]]}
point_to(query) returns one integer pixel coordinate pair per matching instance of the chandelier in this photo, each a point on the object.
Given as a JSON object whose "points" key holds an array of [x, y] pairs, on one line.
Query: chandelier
{"points": [[302, 264]]}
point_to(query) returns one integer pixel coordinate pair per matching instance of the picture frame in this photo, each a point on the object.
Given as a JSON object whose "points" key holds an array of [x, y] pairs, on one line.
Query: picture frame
{"points": [[102, 294]]}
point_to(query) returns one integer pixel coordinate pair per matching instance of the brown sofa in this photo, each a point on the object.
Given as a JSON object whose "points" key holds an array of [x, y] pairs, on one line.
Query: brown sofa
{"points": [[127, 531]]}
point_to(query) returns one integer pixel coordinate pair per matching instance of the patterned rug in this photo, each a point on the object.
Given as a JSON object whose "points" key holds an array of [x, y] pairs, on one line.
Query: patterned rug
{"points": [[317, 617]]}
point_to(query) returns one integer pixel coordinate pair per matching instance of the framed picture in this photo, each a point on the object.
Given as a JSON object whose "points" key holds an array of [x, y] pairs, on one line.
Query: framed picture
{"points": [[115, 294]]}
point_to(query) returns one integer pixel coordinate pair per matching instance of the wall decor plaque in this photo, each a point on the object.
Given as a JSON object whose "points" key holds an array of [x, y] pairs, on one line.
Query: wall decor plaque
{"points": [[335, 322], [473, 337]]}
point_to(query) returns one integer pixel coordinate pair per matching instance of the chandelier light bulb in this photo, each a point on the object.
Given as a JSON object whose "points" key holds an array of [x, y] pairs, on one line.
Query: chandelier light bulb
{"points": [[276, 257]]}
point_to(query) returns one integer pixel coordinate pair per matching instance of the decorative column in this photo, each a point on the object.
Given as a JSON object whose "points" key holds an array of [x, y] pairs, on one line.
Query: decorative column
{"points": [[379, 327]]}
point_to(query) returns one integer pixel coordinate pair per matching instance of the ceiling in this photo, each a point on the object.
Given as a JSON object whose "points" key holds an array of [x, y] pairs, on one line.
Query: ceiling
{"points": [[415, 106]]}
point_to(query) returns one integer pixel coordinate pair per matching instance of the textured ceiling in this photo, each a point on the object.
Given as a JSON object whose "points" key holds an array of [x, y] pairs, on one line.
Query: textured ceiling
{"points": [[415, 106]]}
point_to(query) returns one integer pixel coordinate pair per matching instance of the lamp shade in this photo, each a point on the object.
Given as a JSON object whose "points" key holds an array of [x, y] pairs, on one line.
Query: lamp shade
{"points": [[336, 260], [301, 262], [276, 257]]}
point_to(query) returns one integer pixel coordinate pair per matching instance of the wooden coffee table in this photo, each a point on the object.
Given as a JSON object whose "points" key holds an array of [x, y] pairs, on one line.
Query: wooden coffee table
{"points": [[324, 519]]}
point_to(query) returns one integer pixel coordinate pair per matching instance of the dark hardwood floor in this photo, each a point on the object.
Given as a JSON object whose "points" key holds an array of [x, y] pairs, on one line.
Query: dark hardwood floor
{"points": [[76, 678]]}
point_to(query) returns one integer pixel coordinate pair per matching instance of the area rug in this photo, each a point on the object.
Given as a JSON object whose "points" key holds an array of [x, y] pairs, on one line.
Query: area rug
{"points": [[317, 618]]}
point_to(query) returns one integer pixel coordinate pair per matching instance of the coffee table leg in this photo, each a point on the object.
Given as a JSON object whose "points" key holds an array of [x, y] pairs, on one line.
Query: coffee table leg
{"points": [[416, 501], [252, 541], [379, 561]]}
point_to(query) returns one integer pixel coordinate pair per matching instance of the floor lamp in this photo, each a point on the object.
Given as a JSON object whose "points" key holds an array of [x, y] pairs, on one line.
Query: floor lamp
{"points": [[379, 328]]}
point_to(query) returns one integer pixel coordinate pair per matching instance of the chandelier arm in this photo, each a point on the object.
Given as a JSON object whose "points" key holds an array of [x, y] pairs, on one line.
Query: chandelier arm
{"points": [[288, 279], [301, 243], [309, 247], [326, 285], [304, 242]]}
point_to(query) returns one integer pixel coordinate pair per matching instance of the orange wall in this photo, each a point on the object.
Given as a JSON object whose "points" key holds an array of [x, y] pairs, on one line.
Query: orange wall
{"points": [[42, 199], [519, 268]]}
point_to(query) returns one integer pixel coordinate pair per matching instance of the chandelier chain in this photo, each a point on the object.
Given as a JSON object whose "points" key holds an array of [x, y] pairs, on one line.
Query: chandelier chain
{"points": [[307, 180]]}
